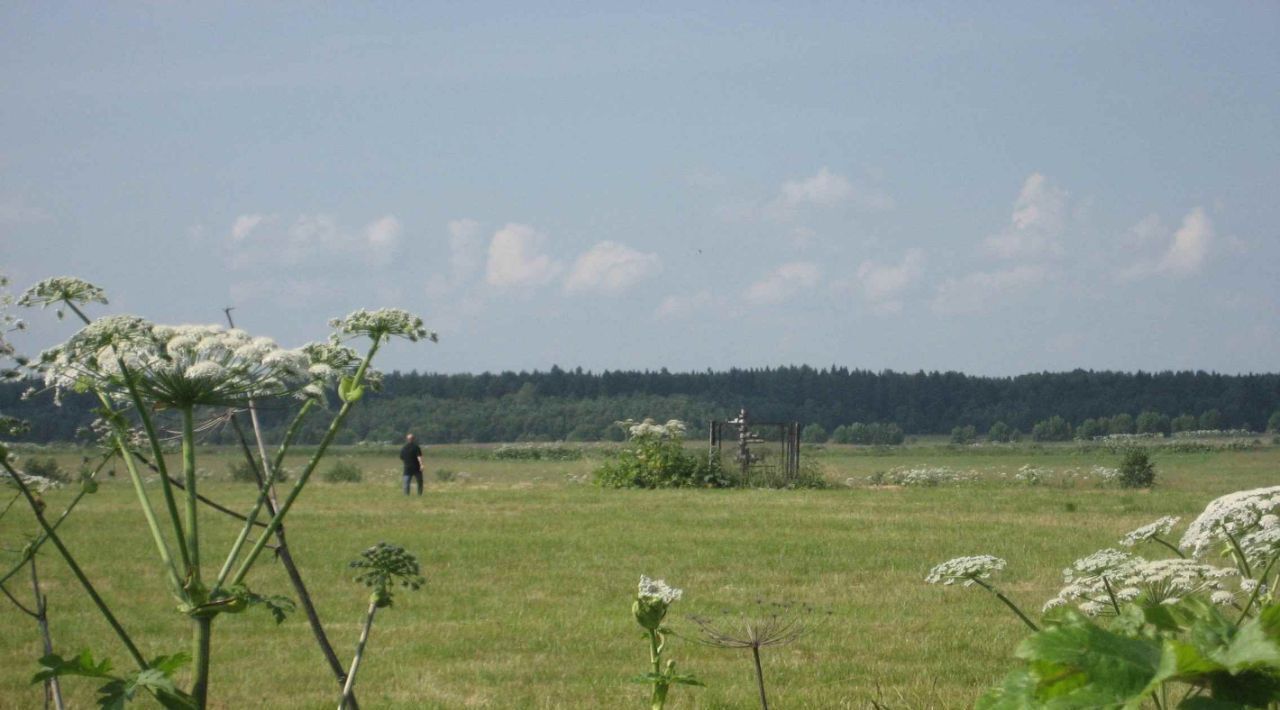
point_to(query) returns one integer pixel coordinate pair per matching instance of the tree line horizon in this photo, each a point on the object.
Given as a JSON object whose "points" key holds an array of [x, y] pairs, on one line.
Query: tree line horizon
{"points": [[559, 404]]}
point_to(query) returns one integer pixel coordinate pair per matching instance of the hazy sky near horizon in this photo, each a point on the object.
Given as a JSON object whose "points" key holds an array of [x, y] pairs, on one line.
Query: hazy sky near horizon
{"points": [[992, 188]]}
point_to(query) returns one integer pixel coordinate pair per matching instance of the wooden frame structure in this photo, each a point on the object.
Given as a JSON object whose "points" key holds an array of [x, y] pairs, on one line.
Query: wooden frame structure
{"points": [[744, 433]]}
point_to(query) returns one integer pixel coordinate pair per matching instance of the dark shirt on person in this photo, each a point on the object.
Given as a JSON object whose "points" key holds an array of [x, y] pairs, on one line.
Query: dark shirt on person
{"points": [[409, 454]]}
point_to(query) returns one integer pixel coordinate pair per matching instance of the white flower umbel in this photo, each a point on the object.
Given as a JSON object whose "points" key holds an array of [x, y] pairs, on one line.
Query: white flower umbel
{"points": [[658, 590], [1099, 583], [972, 570], [1238, 522], [966, 570], [382, 325], [649, 429], [174, 366], [67, 290], [1154, 532]]}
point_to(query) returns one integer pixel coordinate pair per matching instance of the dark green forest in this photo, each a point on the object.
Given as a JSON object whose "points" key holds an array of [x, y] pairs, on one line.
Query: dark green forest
{"points": [[578, 405]]}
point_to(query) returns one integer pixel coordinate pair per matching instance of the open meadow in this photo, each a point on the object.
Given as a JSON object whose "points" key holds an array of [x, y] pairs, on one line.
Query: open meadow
{"points": [[531, 571]]}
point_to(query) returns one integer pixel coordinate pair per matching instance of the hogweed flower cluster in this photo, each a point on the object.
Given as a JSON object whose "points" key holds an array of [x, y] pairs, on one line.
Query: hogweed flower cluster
{"points": [[673, 429], [175, 366], [1100, 583], [966, 570], [654, 598], [67, 290], [382, 325], [1247, 523], [1151, 531]]}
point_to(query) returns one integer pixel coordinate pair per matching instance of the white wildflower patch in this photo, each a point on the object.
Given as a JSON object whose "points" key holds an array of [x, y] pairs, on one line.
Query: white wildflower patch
{"points": [[1159, 528], [649, 429], [657, 590], [1247, 516], [922, 476], [965, 570]]}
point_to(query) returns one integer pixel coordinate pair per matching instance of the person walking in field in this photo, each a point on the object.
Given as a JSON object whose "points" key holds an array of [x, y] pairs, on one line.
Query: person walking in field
{"points": [[411, 455]]}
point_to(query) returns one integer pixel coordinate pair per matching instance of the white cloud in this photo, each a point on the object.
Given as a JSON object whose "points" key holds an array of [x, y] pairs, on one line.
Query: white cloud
{"points": [[784, 282], [1037, 222], [612, 268], [1185, 254], [977, 292], [882, 284], [383, 234], [514, 258], [823, 189], [244, 226], [685, 306]]}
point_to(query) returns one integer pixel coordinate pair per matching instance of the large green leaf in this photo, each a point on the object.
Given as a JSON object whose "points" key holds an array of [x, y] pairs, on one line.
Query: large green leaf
{"points": [[1017, 692], [1081, 665]]}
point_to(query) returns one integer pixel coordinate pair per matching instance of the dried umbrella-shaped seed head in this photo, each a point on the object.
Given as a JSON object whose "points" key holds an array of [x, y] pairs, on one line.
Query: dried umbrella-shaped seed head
{"points": [[382, 325], [965, 570], [384, 567], [774, 625]]}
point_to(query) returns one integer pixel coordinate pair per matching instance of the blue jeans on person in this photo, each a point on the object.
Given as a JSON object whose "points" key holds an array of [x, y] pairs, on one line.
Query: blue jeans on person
{"points": [[409, 475]]}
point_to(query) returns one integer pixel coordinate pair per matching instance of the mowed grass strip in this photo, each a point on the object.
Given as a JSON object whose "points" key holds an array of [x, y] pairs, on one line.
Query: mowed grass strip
{"points": [[530, 580]]}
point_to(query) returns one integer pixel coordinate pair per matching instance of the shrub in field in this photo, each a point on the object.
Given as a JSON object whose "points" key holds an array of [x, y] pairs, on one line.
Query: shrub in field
{"points": [[136, 368], [243, 472], [1197, 630], [655, 457], [814, 433], [537, 452], [1090, 429], [343, 472], [45, 468], [1120, 424], [1150, 422], [964, 434], [1002, 433], [1210, 419], [1183, 422], [1054, 428], [1273, 423], [1136, 470]]}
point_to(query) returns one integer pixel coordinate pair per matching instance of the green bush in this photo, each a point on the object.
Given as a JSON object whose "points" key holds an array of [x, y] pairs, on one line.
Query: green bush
{"points": [[1152, 423], [655, 457], [1054, 428], [343, 472], [964, 434], [242, 472], [1002, 433], [1136, 470], [46, 468], [1090, 429], [814, 434]]}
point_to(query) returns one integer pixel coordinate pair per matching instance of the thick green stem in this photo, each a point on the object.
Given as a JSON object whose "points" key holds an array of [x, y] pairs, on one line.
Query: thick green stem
{"points": [[189, 478], [263, 493], [660, 688], [162, 546], [75, 568], [1110, 594], [1031, 625], [1175, 550], [298, 485], [53, 691], [201, 634], [348, 688], [171, 504], [1261, 582], [1242, 562]]}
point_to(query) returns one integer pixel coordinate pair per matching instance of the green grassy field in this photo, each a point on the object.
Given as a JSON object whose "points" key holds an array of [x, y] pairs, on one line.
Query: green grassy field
{"points": [[531, 575]]}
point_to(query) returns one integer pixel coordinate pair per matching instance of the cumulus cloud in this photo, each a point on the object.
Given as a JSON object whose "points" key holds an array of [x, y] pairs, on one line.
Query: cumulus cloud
{"points": [[1037, 223], [685, 306], [612, 268], [515, 258], [262, 239], [1186, 252], [784, 282], [883, 284], [977, 292]]}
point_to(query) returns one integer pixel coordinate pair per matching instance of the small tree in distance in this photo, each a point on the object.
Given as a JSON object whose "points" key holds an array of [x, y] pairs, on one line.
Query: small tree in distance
{"points": [[1136, 470]]}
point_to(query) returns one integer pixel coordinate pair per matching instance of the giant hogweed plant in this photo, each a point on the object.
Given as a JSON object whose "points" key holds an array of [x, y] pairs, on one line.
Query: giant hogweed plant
{"points": [[135, 368], [654, 598], [1199, 630]]}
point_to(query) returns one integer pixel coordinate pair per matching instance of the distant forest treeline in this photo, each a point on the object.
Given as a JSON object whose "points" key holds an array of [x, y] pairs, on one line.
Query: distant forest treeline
{"points": [[578, 405]]}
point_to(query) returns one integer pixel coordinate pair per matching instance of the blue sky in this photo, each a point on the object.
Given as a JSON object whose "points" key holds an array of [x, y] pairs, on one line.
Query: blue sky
{"points": [[993, 189]]}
